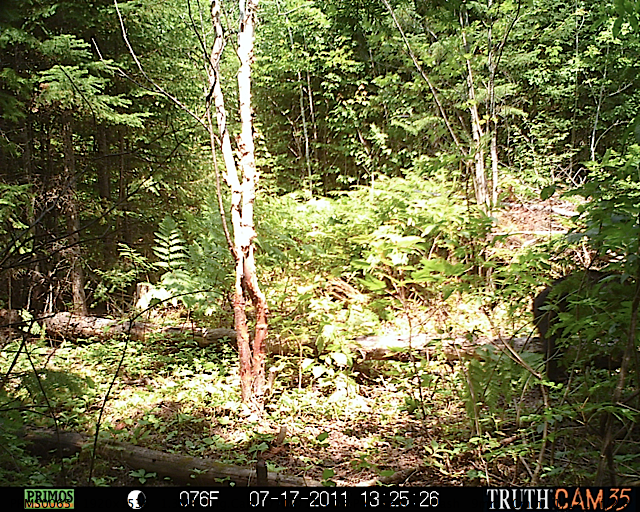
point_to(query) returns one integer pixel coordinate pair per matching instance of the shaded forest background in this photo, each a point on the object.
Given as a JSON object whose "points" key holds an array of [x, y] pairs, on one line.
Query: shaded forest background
{"points": [[406, 150]]}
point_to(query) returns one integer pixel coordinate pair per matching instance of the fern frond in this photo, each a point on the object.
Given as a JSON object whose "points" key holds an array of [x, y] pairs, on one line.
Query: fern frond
{"points": [[170, 247]]}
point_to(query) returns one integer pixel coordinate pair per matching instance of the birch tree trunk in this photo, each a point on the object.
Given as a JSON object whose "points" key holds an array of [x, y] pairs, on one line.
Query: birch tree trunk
{"points": [[479, 175], [242, 180]]}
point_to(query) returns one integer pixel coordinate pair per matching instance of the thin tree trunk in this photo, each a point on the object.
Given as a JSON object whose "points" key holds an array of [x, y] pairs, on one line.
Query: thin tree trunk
{"points": [[122, 222], [307, 155], [50, 159], [594, 141], [27, 165], [479, 176], [493, 62], [434, 93], [103, 175], [312, 108], [248, 9], [252, 357], [303, 114], [48, 224], [27, 155], [493, 114], [102, 168], [76, 273], [494, 164]]}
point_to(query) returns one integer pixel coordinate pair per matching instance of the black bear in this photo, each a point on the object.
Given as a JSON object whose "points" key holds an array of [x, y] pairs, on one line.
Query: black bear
{"points": [[594, 304]]}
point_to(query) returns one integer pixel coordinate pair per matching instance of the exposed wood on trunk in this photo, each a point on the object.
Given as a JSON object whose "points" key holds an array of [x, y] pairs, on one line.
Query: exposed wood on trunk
{"points": [[182, 469]]}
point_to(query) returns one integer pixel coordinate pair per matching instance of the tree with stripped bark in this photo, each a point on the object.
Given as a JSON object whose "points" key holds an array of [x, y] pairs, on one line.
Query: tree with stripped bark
{"points": [[239, 173], [242, 179]]}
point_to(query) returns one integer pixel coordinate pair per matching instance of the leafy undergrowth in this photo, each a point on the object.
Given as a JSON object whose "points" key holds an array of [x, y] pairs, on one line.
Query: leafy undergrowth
{"points": [[439, 420], [343, 427], [347, 421], [178, 398]]}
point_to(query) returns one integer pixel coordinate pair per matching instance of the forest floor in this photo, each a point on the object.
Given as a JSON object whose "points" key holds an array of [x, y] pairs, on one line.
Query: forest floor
{"points": [[381, 425], [342, 427]]}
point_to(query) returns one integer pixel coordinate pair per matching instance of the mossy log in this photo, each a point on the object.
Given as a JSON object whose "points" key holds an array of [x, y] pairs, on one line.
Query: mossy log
{"points": [[182, 469]]}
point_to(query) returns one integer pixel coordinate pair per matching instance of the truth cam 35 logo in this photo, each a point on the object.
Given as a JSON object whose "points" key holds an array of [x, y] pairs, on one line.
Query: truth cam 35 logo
{"points": [[612, 499]]}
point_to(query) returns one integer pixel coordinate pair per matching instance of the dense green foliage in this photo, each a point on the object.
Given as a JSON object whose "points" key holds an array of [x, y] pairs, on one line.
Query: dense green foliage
{"points": [[338, 101], [366, 141]]}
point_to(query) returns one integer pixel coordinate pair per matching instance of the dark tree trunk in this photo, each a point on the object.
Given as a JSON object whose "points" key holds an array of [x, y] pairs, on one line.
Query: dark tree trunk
{"points": [[76, 273], [103, 174], [122, 224], [103, 169]]}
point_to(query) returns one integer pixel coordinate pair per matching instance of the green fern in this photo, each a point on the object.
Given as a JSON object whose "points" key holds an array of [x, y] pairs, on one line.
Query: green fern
{"points": [[192, 274], [170, 247], [493, 381]]}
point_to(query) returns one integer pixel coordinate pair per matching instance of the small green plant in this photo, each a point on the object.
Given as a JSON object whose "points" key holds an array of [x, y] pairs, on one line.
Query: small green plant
{"points": [[327, 474], [142, 475], [321, 438], [193, 274], [170, 248], [103, 481]]}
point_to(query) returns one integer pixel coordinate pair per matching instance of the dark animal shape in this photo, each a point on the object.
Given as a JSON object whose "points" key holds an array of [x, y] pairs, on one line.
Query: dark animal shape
{"points": [[595, 304]]}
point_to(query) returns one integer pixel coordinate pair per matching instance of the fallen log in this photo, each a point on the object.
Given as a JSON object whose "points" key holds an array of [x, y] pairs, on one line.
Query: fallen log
{"points": [[378, 347], [396, 346], [72, 326], [182, 469]]}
